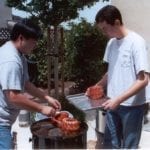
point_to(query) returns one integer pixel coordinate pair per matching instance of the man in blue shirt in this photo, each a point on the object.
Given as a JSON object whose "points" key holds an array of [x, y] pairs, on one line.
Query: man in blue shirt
{"points": [[14, 80]]}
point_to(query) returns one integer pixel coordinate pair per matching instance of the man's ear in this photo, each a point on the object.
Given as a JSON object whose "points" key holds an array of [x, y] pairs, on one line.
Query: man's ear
{"points": [[117, 22], [20, 37]]}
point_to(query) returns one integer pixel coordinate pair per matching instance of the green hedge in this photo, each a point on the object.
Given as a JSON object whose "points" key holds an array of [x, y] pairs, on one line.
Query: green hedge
{"points": [[39, 56], [84, 47]]}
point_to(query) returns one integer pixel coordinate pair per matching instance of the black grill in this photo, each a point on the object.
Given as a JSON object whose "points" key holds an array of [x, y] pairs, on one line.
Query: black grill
{"points": [[47, 136]]}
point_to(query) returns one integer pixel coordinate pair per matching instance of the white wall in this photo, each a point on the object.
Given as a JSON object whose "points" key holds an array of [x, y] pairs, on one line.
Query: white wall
{"points": [[5, 14], [136, 16]]}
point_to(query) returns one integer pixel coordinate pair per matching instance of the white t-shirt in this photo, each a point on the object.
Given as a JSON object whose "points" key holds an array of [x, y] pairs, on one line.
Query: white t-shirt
{"points": [[148, 86], [13, 74], [126, 58]]}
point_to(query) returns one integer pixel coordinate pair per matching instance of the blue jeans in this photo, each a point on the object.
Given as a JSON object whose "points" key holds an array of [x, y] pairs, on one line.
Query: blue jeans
{"points": [[123, 127], [5, 137]]}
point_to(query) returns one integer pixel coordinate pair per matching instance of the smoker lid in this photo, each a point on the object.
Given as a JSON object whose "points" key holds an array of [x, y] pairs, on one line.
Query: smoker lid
{"points": [[45, 129]]}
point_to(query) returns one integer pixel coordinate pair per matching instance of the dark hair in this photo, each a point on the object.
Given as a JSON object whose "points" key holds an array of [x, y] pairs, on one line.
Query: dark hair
{"points": [[27, 29], [109, 14]]}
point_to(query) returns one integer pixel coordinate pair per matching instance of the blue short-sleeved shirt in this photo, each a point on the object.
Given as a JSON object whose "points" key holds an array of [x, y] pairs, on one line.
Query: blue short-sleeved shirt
{"points": [[13, 74]]}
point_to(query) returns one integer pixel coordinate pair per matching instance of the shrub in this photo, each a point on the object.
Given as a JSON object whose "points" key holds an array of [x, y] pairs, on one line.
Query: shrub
{"points": [[84, 45], [39, 56]]}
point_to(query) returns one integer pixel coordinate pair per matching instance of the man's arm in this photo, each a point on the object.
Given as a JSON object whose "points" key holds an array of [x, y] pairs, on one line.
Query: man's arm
{"points": [[18, 99], [103, 81], [141, 82], [33, 90]]}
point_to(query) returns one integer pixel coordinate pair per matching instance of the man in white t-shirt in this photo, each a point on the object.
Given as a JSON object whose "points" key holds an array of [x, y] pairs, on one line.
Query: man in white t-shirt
{"points": [[14, 80], [126, 80]]}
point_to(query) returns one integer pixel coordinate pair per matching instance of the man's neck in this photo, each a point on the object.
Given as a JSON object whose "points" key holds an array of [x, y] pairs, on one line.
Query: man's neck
{"points": [[122, 32], [17, 47]]}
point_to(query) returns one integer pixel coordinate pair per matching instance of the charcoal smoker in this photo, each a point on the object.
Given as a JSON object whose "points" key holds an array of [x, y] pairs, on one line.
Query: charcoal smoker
{"points": [[47, 136]]}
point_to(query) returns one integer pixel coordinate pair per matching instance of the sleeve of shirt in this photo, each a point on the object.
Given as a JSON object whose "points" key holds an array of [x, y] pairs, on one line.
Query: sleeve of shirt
{"points": [[148, 51], [107, 52], [140, 56], [11, 76]]}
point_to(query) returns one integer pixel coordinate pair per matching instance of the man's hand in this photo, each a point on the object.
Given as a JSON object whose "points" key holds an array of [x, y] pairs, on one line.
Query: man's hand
{"points": [[95, 92], [48, 111], [110, 104], [87, 93], [53, 102]]}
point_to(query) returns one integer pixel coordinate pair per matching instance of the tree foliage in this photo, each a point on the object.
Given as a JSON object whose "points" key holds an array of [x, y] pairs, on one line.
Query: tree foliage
{"points": [[51, 12], [84, 47], [39, 56]]}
